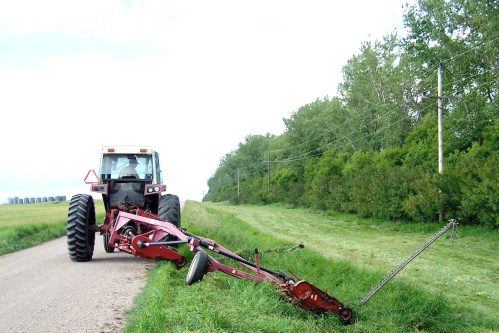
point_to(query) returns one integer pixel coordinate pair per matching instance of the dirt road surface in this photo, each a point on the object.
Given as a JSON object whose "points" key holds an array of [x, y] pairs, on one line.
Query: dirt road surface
{"points": [[42, 290]]}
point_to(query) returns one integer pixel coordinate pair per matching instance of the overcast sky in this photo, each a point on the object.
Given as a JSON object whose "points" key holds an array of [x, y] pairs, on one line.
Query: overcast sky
{"points": [[190, 78]]}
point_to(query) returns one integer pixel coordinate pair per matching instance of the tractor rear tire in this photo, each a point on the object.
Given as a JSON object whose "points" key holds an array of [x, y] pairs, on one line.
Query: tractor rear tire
{"points": [[169, 209], [108, 248], [197, 269], [81, 217]]}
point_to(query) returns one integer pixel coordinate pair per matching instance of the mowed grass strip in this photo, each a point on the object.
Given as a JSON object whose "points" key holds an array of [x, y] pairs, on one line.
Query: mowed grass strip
{"points": [[27, 225], [468, 272], [222, 303]]}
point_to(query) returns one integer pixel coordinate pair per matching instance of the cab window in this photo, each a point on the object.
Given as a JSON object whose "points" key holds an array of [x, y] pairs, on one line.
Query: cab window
{"points": [[159, 175], [118, 166]]}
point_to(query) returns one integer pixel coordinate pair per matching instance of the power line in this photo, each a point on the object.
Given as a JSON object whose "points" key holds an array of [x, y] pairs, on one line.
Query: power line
{"points": [[472, 49], [299, 158], [340, 146], [357, 130], [400, 105], [347, 136]]}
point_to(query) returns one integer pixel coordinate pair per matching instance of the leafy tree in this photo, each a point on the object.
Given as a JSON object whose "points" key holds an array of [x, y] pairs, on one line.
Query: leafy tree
{"points": [[464, 36], [246, 161], [310, 131], [377, 107], [373, 150]]}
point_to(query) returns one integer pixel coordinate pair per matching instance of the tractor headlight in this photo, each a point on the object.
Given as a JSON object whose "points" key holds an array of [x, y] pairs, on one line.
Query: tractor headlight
{"points": [[154, 189]]}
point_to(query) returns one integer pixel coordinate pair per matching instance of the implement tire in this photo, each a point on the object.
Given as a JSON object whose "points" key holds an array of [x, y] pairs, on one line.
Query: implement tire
{"points": [[169, 209], [108, 248], [197, 269], [81, 239]]}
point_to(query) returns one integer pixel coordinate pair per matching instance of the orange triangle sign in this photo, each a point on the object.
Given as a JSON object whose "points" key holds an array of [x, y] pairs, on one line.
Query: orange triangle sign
{"points": [[91, 177]]}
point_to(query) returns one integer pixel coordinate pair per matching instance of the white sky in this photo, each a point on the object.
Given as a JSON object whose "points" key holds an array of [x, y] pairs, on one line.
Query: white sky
{"points": [[190, 78]]}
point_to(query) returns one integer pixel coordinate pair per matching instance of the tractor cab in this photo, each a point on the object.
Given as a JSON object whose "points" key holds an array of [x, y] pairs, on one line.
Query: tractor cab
{"points": [[132, 174]]}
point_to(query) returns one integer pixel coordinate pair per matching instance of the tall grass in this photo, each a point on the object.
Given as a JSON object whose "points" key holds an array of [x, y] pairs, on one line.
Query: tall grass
{"points": [[467, 272], [221, 303]]}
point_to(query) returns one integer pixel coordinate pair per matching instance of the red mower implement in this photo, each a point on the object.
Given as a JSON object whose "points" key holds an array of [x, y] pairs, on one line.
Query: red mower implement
{"points": [[154, 244]]}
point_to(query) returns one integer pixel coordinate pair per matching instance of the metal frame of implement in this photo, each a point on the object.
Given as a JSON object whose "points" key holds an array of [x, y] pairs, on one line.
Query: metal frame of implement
{"points": [[145, 235], [452, 224], [158, 239]]}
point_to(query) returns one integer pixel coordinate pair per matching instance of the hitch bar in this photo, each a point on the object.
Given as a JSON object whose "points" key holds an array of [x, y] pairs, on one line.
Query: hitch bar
{"points": [[143, 244], [241, 260]]}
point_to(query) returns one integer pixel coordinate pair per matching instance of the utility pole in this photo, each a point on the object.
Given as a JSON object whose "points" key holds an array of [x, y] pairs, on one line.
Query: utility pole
{"points": [[440, 119], [440, 135], [440, 126], [238, 182], [440, 131], [268, 171]]}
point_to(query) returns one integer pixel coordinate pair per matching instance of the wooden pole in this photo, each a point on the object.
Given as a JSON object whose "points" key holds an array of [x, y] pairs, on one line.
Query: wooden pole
{"points": [[440, 131], [440, 135], [268, 171]]}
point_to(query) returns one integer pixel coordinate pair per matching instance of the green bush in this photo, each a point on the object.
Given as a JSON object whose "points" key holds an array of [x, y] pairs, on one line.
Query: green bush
{"points": [[398, 184]]}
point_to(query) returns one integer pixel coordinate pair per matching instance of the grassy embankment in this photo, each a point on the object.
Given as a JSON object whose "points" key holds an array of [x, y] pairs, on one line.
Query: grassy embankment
{"points": [[443, 290], [23, 226]]}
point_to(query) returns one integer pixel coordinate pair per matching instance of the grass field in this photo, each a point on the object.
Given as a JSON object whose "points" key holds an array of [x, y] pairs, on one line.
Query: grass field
{"points": [[443, 290], [23, 226], [468, 272]]}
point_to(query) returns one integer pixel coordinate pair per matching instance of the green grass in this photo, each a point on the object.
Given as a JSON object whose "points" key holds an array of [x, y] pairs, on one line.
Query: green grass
{"points": [[24, 236], [443, 290], [336, 257], [466, 272], [24, 226], [14, 215]]}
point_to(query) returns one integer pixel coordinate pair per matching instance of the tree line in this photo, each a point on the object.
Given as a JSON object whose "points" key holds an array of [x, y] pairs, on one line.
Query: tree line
{"points": [[372, 149]]}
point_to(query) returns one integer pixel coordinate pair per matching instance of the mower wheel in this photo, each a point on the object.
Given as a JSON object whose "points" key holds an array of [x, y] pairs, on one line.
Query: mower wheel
{"points": [[346, 316], [169, 209], [180, 262], [197, 269], [108, 248], [81, 216]]}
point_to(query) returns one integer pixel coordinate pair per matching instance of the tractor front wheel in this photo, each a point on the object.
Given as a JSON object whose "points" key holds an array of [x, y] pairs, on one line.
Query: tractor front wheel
{"points": [[81, 219], [169, 209]]}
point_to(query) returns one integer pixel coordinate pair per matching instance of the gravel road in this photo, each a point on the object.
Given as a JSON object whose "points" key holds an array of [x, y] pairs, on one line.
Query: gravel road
{"points": [[42, 290]]}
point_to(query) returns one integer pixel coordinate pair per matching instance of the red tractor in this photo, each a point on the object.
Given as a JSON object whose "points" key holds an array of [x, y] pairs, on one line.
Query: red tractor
{"points": [[129, 180], [141, 221]]}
